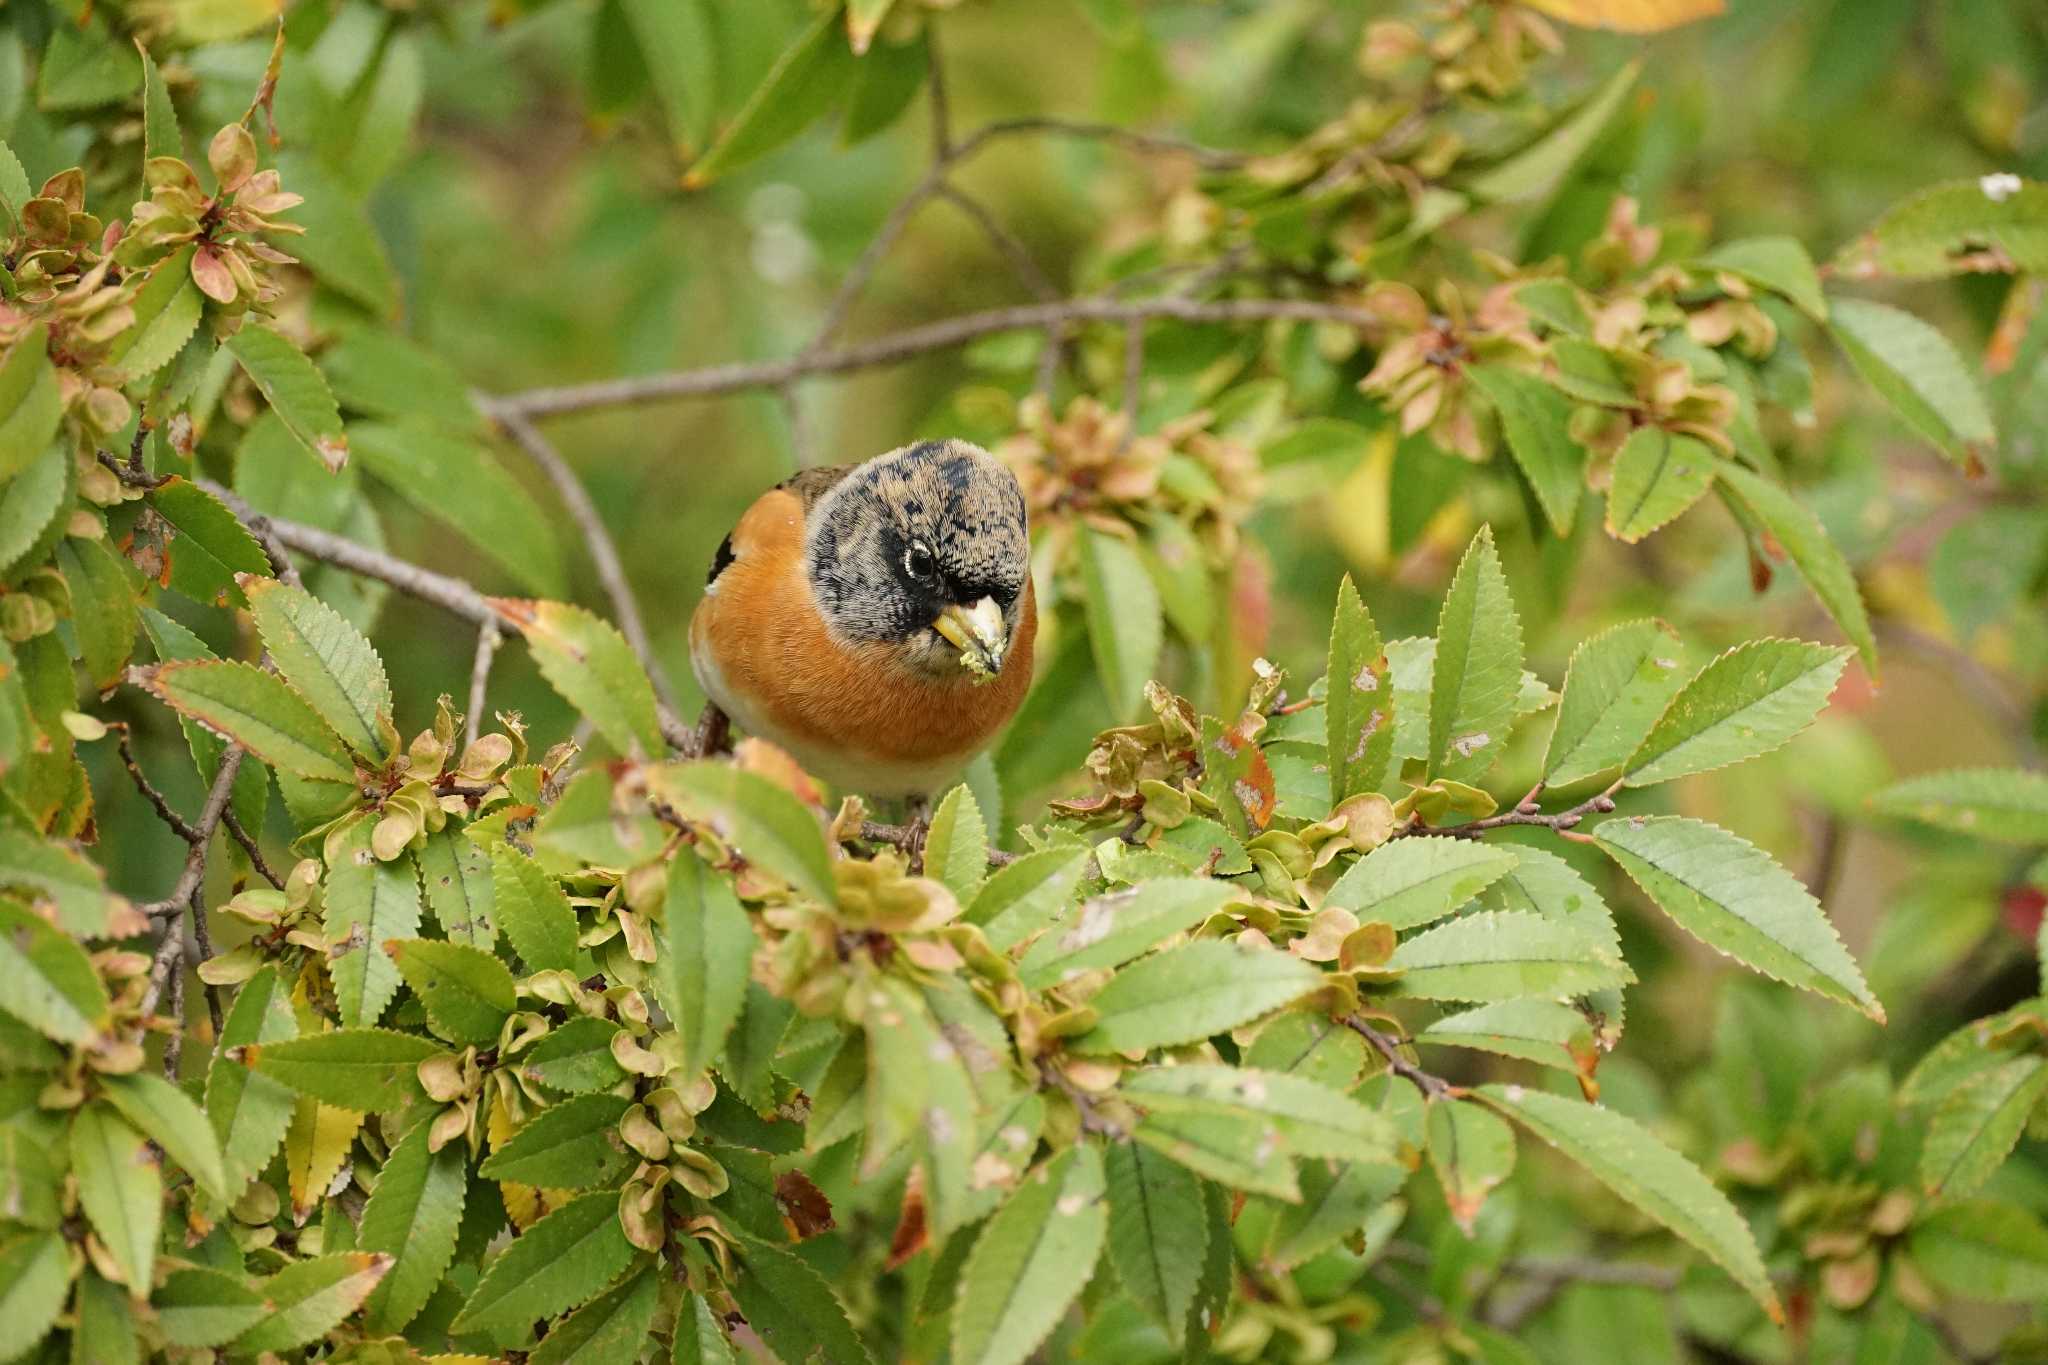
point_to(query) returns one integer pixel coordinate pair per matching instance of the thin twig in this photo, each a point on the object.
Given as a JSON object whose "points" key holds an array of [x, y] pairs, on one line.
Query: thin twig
{"points": [[915, 341], [174, 1045], [1134, 376], [209, 820], [169, 949], [281, 562], [1433, 1087], [604, 552], [1022, 264], [179, 825], [935, 92], [487, 637], [248, 843], [1526, 812]]}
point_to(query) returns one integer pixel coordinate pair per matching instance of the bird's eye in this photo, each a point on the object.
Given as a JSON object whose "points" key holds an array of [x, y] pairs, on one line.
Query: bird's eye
{"points": [[919, 562]]}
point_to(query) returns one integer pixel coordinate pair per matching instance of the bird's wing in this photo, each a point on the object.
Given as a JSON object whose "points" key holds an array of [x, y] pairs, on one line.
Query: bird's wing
{"points": [[808, 485]]}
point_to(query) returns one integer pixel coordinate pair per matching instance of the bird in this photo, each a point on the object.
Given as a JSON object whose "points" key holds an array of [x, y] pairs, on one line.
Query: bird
{"points": [[875, 620]]}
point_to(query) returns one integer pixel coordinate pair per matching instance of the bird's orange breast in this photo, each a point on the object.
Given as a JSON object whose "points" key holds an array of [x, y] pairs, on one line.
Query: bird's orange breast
{"points": [[788, 678]]}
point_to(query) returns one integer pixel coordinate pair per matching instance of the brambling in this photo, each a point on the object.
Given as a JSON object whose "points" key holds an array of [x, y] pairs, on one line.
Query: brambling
{"points": [[875, 620]]}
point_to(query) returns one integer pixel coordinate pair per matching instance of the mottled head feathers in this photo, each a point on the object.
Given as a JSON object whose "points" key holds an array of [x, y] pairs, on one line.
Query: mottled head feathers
{"points": [[892, 543]]}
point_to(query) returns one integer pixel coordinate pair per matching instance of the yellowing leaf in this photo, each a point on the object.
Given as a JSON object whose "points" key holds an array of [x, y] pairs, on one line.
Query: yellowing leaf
{"points": [[1630, 16]]}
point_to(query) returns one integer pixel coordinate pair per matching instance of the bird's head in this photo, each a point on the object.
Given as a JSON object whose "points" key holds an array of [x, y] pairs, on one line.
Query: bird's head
{"points": [[926, 552]]}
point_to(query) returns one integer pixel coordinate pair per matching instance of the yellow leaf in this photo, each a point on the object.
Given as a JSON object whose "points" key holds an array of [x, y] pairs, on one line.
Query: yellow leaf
{"points": [[1630, 16], [314, 1147]]}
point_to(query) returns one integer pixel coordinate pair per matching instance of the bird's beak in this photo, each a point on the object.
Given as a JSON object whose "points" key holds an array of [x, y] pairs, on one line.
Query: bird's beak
{"points": [[979, 633]]}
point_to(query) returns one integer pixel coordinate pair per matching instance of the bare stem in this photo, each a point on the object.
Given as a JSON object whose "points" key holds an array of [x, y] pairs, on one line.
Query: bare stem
{"points": [[209, 820], [905, 839], [1526, 812], [1433, 1087], [604, 551], [487, 637], [179, 825], [896, 347]]}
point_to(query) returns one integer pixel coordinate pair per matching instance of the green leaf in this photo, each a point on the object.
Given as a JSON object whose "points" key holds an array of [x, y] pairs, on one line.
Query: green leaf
{"points": [[1186, 993], [174, 643], [310, 1298], [707, 946], [121, 1190], [52, 985], [1309, 1043], [1915, 369], [586, 660], [211, 545], [363, 1070], [1644, 1173], [340, 245], [806, 80], [1747, 702], [1977, 1124], [413, 1216], [1337, 1199], [29, 504], [421, 461], [329, 663], [466, 992], [14, 186], [890, 76], [29, 1182], [29, 402], [1359, 709], [956, 845], [456, 872], [1618, 683], [1819, 560], [85, 67], [613, 1329], [294, 390], [71, 887], [258, 711], [167, 310], [1729, 894], [863, 18], [1412, 882], [1472, 1150], [532, 910], [1236, 1150], [761, 821], [1502, 954], [700, 1335], [1923, 236], [1158, 1233], [1478, 668], [1537, 169], [383, 374], [1987, 1250], [675, 42], [1113, 928], [1024, 897], [1536, 418], [576, 1057], [102, 608], [250, 1112], [200, 1308], [1541, 1031], [1312, 1119], [1125, 625], [160, 135], [168, 1116], [35, 1275], [1779, 264], [592, 823], [1031, 1261], [556, 1264], [1656, 477], [369, 903], [2007, 805], [568, 1146], [793, 1309]]}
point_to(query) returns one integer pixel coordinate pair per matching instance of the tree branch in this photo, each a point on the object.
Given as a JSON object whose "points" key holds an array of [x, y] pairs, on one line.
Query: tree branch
{"points": [[905, 839], [209, 820], [487, 637], [915, 341], [1526, 812]]}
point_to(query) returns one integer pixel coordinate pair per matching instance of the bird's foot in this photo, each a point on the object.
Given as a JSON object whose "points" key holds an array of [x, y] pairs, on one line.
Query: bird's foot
{"points": [[712, 733]]}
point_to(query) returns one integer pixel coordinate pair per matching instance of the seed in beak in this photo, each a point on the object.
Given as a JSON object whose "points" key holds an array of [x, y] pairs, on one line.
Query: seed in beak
{"points": [[979, 633]]}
